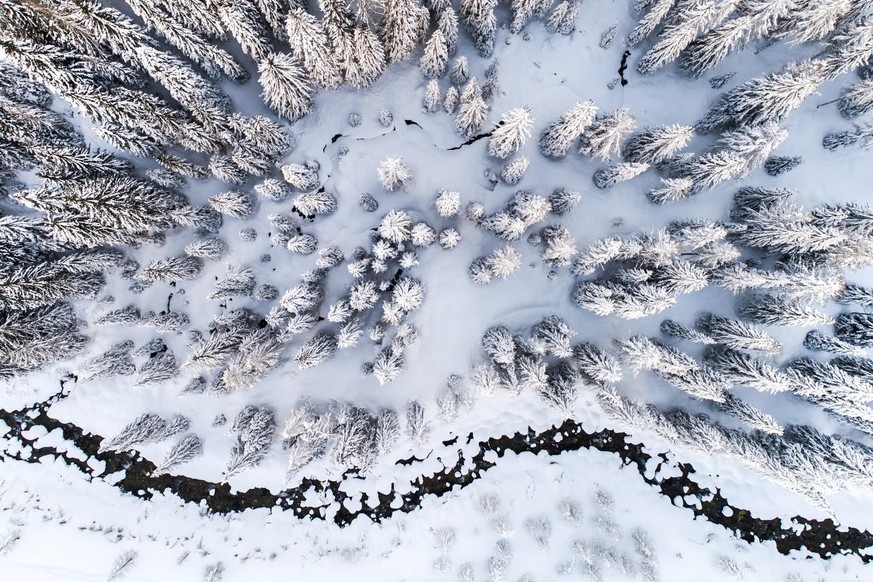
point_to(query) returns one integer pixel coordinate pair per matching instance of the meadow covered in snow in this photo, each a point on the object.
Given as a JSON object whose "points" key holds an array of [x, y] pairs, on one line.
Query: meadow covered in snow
{"points": [[277, 277]]}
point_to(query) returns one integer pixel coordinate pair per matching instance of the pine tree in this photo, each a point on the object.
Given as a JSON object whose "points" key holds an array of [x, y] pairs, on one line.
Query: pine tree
{"points": [[307, 37], [562, 20], [402, 28], [767, 99], [234, 203], [859, 294], [657, 12], [432, 97], [513, 172], [449, 238], [422, 235], [777, 165], [460, 72], [603, 137], [116, 361], [524, 10], [243, 22], [757, 19], [556, 141], [743, 369], [313, 203], [820, 342], [774, 310], [563, 200], [511, 132], [504, 261], [394, 173], [750, 415], [738, 335], [388, 365], [478, 16], [609, 177], [473, 111], [814, 20], [451, 100], [855, 328], [183, 451], [285, 86], [147, 428], [194, 46], [435, 58], [255, 429], [690, 18], [657, 144], [180, 268]]}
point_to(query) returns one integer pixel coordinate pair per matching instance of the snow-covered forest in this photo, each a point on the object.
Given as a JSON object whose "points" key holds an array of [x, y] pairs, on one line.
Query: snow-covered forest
{"points": [[253, 248]]}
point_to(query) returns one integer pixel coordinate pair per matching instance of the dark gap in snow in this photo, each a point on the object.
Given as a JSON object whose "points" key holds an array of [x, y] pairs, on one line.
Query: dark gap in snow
{"points": [[410, 460], [472, 140], [169, 299], [450, 441], [410, 122], [623, 67], [821, 537]]}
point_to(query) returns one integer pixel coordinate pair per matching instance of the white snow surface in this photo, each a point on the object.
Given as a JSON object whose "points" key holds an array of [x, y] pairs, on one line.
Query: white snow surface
{"points": [[71, 529]]}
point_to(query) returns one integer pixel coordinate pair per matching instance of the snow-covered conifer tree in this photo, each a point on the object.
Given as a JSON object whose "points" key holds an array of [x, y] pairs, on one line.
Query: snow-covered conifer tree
{"points": [[394, 173], [315, 351], [609, 177], [473, 111], [449, 238], [147, 428], [170, 269], [435, 57], [562, 19], [603, 137], [189, 447], [315, 202], [855, 328], [777, 165], [388, 365], [743, 369], [285, 86], [821, 342], [234, 203], [776, 310], [514, 171], [504, 261], [738, 335], [402, 28], [656, 144], [556, 141], [432, 97], [657, 11], [255, 429], [811, 21], [560, 246], [767, 99], [306, 36], [460, 72], [524, 10], [478, 16], [511, 133]]}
